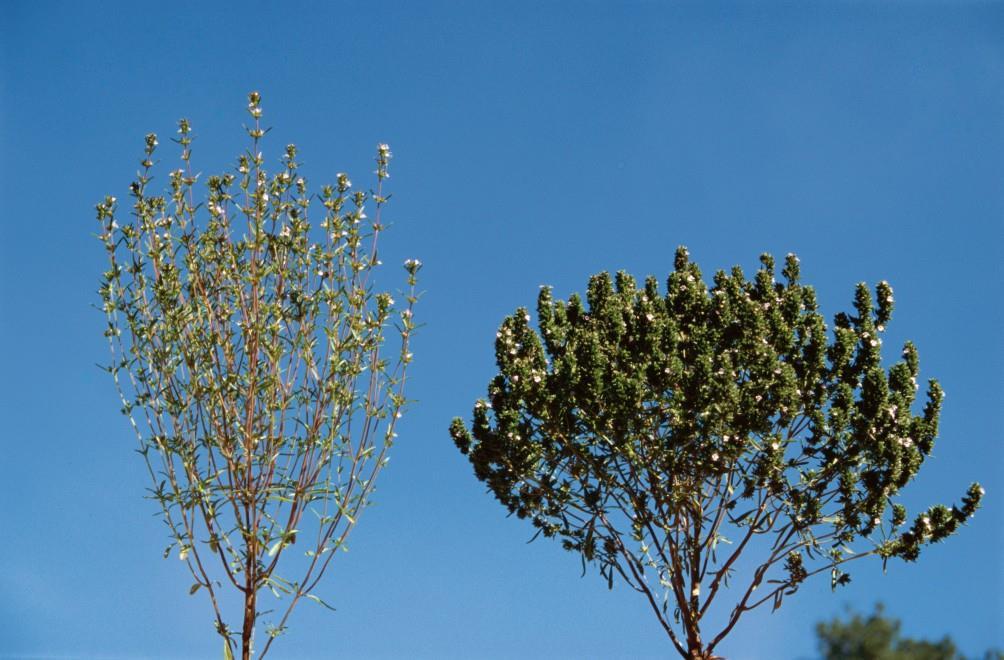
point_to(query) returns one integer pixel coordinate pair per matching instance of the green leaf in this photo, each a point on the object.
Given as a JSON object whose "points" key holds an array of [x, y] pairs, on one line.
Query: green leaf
{"points": [[194, 588], [318, 600], [227, 653]]}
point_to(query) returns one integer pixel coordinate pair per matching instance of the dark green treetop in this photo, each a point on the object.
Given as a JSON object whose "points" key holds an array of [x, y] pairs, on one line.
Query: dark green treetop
{"points": [[664, 435], [878, 637]]}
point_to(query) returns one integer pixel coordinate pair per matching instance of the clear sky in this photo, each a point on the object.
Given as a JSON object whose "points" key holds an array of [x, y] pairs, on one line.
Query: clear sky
{"points": [[535, 142]]}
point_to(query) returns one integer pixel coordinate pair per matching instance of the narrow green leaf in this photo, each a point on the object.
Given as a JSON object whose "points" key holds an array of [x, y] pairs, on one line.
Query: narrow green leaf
{"points": [[318, 600]]}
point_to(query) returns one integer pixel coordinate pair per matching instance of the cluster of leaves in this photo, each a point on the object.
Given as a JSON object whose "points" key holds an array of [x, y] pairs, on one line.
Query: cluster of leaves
{"points": [[249, 353], [878, 637], [645, 429]]}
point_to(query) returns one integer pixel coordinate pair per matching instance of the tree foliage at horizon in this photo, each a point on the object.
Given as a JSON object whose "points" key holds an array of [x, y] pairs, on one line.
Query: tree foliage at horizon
{"points": [[878, 637], [249, 352], [664, 435]]}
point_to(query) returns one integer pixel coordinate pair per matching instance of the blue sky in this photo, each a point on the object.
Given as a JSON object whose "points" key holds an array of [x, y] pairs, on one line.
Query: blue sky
{"points": [[535, 143]]}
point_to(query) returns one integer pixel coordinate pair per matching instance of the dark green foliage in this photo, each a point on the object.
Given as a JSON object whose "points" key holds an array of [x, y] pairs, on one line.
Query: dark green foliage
{"points": [[877, 637], [645, 429]]}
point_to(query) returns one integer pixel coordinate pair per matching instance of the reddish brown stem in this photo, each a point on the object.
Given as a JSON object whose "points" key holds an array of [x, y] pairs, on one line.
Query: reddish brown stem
{"points": [[249, 617]]}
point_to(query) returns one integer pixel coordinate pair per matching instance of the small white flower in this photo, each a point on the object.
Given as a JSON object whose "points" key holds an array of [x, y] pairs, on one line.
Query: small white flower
{"points": [[876, 521], [536, 378], [515, 378], [714, 456], [775, 446], [874, 342], [650, 317], [526, 317], [880, 328], [696, 591]]}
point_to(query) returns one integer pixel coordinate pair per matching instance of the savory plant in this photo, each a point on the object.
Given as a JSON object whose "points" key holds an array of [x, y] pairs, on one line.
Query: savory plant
{"points": [[248, 348], [664, 435]]}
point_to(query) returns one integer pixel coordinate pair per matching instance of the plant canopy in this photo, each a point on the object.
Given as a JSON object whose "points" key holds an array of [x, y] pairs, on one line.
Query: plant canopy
{"points": [[662, 435], [249, 352]]}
